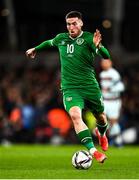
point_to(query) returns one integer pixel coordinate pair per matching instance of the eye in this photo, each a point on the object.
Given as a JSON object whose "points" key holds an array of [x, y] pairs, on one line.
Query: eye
{"points": [[74, 23]]}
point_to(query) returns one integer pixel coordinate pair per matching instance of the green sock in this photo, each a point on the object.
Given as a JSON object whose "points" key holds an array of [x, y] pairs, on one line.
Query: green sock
{"points": [[86, 139], [102, 128]]}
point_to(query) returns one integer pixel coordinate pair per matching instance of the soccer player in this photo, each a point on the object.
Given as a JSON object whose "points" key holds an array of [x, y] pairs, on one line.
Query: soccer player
{"points": [[80, 88], [112, 86]]}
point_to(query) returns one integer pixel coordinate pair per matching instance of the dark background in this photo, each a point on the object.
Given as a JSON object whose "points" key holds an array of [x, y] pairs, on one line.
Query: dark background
{"points": [[35, 21]]}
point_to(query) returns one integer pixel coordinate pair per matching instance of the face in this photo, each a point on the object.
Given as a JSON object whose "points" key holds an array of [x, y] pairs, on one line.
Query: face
{"points": [[74, 26], [106, 64]]}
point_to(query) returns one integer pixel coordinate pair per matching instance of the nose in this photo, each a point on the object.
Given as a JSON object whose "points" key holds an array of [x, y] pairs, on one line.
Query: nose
{"points": [[71, 27]]}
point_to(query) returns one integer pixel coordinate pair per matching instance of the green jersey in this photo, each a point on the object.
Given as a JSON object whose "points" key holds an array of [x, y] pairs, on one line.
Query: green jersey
{"points": [[77, 57]]}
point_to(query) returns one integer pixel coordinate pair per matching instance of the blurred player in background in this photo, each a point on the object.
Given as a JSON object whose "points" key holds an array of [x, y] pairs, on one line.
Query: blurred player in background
{"points": [[112, 86], [78, 83]]}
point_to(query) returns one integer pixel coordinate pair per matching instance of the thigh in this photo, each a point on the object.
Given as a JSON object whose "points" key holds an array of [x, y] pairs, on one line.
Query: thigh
{"points": [[71, 98], [94, 100]]}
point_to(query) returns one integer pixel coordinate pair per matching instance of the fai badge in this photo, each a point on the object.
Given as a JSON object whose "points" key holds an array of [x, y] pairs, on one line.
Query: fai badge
{"points": [[79, 41]]}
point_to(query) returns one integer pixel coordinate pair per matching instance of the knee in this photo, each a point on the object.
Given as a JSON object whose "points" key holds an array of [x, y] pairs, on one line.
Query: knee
{"points": [[75, 116]]}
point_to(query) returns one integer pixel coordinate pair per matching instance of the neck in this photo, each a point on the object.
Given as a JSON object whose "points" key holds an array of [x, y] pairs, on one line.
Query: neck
{"points": [[77, 36]]}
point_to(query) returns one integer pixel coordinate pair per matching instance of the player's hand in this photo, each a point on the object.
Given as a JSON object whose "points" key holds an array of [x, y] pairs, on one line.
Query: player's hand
{"points": [[31, 53], [97, 38]]}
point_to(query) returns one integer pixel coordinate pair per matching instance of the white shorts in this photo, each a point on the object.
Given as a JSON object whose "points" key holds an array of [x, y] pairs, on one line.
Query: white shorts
{"points": [[112, 108]]}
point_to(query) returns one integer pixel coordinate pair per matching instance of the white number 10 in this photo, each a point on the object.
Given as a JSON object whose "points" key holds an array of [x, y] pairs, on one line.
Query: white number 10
{"points": [[70, 48]]}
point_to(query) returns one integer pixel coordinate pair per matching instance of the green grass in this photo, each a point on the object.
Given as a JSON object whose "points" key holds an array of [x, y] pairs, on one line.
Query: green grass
{"points": [[54, 162]]}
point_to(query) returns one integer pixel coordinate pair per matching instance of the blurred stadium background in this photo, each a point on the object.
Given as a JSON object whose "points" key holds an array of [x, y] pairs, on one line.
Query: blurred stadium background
{"points": [[31, 108]]}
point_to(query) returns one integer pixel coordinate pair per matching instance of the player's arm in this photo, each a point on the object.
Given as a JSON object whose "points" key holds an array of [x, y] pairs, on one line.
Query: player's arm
{"points": [[117, 85], [103, 52], [44, 45], [100, 49]]}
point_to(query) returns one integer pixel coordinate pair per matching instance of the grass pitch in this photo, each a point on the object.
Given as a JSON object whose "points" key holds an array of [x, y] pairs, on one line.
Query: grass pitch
{"points": [[54, 162]]}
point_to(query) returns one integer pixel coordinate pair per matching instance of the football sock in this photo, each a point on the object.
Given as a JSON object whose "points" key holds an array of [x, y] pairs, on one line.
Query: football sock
{"points": [[92, 150], [86, 138], [102, 128], [115, 135]]}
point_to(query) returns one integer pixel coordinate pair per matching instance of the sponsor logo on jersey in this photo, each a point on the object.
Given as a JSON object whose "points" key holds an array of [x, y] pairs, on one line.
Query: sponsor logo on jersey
{"points": [[80, 41], [70, 55]]}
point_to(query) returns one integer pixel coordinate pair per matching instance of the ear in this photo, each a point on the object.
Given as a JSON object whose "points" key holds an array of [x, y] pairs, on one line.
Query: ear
{"points": [[81, 22]]}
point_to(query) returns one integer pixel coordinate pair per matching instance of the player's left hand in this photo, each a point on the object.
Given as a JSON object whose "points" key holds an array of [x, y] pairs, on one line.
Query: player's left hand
{"points": [[97, 38]]}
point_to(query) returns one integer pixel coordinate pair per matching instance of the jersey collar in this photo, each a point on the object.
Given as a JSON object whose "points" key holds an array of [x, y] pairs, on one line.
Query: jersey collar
{"points": [[77, 36]]}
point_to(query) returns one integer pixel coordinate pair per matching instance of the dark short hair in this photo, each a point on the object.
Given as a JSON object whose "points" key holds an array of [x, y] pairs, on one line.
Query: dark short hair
{"points": [[73, 14]]}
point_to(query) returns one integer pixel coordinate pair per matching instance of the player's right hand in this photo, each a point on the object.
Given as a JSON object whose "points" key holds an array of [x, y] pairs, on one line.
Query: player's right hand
{"points": [[31, 53]]}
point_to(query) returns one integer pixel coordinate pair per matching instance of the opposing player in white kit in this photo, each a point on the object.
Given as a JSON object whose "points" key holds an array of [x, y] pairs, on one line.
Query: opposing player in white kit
{"points": [[112, 86]]}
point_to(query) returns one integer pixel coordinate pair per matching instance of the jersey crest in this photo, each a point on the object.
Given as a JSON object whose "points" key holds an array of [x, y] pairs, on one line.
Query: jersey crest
{"points": [[80, 41]]}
